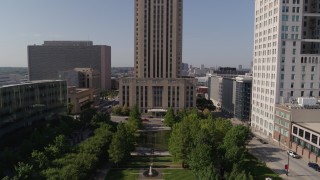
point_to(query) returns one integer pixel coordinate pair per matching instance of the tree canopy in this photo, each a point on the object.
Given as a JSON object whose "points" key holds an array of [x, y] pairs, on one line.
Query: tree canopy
{"points": [[203, 103]]}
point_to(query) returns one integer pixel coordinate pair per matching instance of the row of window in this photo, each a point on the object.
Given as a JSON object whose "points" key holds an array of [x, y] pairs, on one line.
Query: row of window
{"points": [[306, 135], [285, 9], [293, 77], [302, 93], [290, 1], [306, 145], [283, 115]]}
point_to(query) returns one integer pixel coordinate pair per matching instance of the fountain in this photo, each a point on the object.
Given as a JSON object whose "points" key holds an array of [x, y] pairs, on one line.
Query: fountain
{"points": [[151, 172]]}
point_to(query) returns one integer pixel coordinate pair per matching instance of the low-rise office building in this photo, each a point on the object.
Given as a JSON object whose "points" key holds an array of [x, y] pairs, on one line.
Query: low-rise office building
{"points": [[23, 104], [79, 97], [306, 140], [297, 127], [83, 78]]}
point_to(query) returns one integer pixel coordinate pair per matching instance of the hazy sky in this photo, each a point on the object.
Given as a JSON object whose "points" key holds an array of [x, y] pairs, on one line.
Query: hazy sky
{"points": [[215, 32]]}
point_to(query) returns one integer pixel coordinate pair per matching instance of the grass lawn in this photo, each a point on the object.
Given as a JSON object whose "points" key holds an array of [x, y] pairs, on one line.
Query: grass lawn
{"points": [[178, 174], [115, 174], [139, 162], [258, 169]]}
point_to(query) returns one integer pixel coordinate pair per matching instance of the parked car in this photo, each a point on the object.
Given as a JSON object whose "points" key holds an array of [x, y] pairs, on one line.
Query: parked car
{"points": [[314, 166], [293, 154]]}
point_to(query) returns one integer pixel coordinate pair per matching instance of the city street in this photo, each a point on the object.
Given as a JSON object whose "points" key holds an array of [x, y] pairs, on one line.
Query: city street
{"points": [[276, 158]]}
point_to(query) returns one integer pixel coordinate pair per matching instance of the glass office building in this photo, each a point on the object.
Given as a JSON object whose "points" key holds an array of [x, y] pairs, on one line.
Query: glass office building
{"points": [[23, 104]]}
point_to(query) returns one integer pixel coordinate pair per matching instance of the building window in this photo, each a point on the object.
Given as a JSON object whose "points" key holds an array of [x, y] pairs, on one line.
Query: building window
{"points": [[295, 130], [314, 139], [307, 136], [292, 76], [302, 93], [301, 132], [312, 69]]}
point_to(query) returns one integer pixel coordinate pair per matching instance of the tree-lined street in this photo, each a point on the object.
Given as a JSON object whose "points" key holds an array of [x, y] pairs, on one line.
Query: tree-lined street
{"points": [[276, 158]]}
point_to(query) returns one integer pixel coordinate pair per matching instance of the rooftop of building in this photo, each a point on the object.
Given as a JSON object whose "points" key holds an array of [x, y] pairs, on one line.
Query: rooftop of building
{"points": [[302, 103], [31, 82], [312, 126], [75, 90], [67, 43]]}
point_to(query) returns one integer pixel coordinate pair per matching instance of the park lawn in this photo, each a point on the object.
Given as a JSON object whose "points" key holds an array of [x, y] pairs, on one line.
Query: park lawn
{"points": [[144, 161], [258, 169], [122, 174], [178, 174]]}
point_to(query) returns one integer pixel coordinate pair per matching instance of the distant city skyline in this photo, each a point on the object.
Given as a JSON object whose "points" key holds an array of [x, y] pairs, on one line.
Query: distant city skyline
{"points": [[215, 33]]}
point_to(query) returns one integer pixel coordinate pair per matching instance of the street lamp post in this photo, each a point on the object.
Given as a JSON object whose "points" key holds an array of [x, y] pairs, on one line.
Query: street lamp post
{"points": [[288, 166]]}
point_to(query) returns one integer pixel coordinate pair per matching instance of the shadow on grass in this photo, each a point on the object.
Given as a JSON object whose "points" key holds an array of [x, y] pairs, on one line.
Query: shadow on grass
{"points": [[266, 153], [258, 169], [124, 174]]}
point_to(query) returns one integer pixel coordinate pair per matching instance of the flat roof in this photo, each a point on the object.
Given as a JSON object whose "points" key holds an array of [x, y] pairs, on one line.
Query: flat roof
{"points": [[312, 126], [31, 82]]}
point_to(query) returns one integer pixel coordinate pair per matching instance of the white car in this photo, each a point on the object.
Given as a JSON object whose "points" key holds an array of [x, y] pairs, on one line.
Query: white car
{"points": [[293, 154]]}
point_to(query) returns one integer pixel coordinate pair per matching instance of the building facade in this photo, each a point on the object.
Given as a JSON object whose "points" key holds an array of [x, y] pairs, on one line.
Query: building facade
{"points": [[286, 56], [23, 104], [45, 61], [157, 60], [153, 94], [215, 90], [297, 127], [306, 140], [79, 97], [83, 78], [242, 88]]}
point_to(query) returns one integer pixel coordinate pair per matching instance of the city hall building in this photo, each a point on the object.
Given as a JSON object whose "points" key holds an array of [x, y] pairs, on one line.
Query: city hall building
{"points": [[157, 60]]}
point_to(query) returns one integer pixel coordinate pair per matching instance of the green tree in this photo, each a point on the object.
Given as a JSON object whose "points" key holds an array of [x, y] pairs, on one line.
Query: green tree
{"points": [[169, 118], [203, 103], [23, 171], [207, 113], [86, 116], [116, 110], [100, 117], [125, 110], [237, 174], [134, 113], [40, 159], [134, 120], [122, 144], [58, 148], [234, 144], [200, 161], [183, 135]]}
